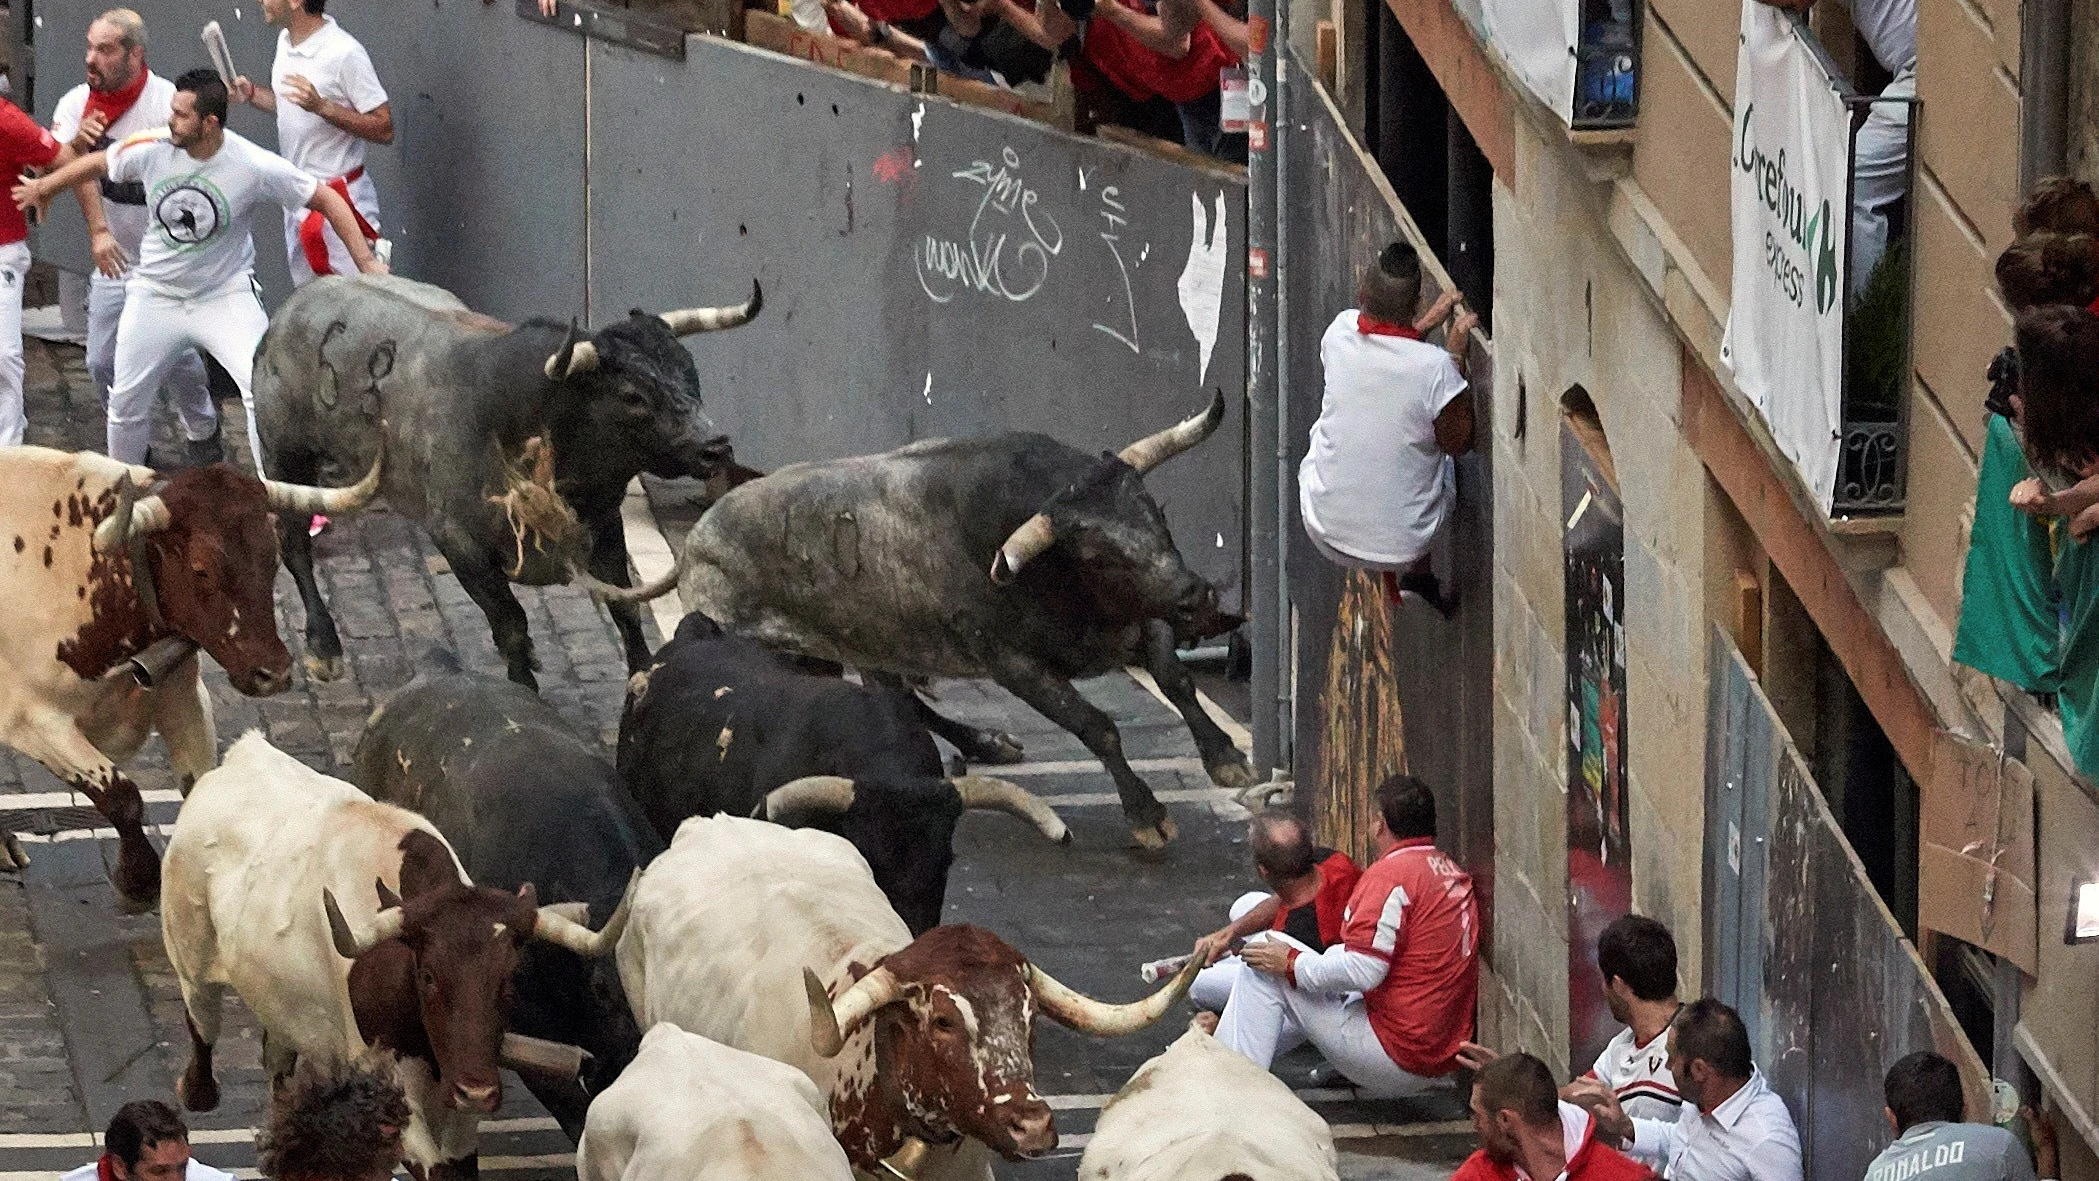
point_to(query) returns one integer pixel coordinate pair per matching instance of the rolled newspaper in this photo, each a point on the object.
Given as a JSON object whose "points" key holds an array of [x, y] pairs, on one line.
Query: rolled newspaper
{"points": [[221, 57], [1158, 970]]}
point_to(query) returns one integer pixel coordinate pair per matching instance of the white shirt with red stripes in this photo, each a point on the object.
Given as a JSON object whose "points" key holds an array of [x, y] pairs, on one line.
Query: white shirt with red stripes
{"points": [[1640, 1076]]}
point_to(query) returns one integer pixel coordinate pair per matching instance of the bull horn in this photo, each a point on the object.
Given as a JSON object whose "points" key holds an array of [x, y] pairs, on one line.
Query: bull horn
{"points": [[609, 593], [1022, 546], [561, 931], [149, 514], [1152, 450], [686, 321], [1101, 1019], [812, 793], [308, 500], [831, 1022], [350, 944], [578, 357], [999, 795]]}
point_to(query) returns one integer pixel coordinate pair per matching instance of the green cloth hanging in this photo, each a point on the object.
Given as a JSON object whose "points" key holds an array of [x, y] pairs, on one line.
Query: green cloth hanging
{"points": [[2009, 627], [2077, 700]]}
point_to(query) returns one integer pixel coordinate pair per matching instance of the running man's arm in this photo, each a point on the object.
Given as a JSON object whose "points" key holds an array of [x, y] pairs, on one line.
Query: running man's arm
{"points": [[375, 125], [329, 204], [109, 257], [37, 190], [262, 98]]}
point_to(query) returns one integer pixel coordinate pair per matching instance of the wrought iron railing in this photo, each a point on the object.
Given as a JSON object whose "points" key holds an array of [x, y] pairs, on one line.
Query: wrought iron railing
{"points": [[1607, 64]]}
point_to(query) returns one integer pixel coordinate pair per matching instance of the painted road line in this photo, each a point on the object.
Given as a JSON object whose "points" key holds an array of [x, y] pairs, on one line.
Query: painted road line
{"points": [[1239, 734], [31, 1140], [31, 801], [650, 553], [1189, 764], [489, 1164]]}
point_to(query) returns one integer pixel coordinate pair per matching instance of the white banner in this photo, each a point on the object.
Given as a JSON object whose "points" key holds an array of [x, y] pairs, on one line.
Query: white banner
{"points": [[1537, 39], [1785, 325]]}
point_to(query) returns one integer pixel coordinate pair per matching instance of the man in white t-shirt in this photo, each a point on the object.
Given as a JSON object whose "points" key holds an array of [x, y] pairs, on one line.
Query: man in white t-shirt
{"points": [[194, 285], [1880, 161], [129, 98], [1377, 483], [146, 1141], [329, 104]]}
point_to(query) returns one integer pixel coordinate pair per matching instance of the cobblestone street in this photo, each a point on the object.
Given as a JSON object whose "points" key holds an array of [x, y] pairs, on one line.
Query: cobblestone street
{"points": [[90, 1017]]}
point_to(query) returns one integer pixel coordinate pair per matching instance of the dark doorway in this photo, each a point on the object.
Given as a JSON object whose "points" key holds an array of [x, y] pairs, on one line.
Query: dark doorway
{"points": [[1430, 158]]}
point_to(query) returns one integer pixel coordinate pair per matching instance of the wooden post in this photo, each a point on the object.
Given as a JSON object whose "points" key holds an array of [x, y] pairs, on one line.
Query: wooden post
{"points": [[1327, 55]]}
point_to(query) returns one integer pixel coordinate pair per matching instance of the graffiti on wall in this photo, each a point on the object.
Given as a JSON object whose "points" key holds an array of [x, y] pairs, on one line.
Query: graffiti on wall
{"points": [[1599, 872]]}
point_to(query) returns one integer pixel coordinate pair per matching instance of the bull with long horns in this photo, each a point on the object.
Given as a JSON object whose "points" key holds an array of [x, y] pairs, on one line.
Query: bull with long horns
{"points": [[512, 445], [1014, 557]]}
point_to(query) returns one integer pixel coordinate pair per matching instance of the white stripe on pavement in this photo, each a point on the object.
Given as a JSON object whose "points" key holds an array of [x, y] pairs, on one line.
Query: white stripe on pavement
{"points": [[24, 1141], [29, 801], [650, 553], [1188, 763], [1240, 736]]}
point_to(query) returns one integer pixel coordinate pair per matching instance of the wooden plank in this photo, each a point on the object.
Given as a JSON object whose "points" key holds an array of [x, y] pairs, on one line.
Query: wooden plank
{"points": [[1749, 620], [1326, 53], [1742, 470]]}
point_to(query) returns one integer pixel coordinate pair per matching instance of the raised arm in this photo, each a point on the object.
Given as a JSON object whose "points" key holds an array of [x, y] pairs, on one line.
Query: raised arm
{"points": [[375, 125], [1044, 23], [330, 205], [262, 98], [37, 190]]}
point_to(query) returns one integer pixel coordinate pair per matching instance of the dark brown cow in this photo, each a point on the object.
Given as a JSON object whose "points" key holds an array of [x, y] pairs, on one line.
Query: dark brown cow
{"points": [[112, 579]]}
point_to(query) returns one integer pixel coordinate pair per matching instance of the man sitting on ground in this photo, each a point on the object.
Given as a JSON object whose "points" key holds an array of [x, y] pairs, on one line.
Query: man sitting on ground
{"points": [[1390, 1004], [1924, 1111], [1732, 1127], [1378, 482], [1528, 1134], [146, 1141], [1312, 886], [335, 1123]]}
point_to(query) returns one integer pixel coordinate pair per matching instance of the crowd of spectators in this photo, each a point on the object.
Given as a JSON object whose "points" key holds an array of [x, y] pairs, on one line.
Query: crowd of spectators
{"points": [[2030, 607], [1158, 66]]}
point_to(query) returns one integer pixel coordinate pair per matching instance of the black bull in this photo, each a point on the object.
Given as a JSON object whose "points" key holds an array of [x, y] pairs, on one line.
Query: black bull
{"points": [[523, 796], [466, 404], [1014, 557]]}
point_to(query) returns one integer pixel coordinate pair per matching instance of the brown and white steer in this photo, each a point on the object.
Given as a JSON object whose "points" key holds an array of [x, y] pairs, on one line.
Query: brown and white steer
{"points": [[78, 614], [344, 922], [777, 941], [1202, 1112], [689, 1108]]}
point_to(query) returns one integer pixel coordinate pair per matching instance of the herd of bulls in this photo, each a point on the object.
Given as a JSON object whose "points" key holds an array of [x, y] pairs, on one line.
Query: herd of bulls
{"points": [[733, 931]]}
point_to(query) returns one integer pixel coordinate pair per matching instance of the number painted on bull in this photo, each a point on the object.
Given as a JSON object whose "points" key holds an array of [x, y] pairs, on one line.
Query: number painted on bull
{"points": [[1007, 249], [1114, 214]]}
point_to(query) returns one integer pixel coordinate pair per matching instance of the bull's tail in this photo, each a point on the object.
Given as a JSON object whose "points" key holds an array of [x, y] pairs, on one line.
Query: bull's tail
{"points": [[626, 594]]}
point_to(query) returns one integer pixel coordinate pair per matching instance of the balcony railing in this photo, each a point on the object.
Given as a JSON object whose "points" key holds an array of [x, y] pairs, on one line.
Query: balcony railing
{"points": [[1607, 65]]}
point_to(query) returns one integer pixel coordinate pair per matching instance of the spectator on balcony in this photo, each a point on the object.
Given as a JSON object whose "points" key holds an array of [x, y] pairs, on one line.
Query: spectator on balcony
{"points": [[1923, 1093], [1378, 481], [1141, 53], [967, 39], [1880, 154]]}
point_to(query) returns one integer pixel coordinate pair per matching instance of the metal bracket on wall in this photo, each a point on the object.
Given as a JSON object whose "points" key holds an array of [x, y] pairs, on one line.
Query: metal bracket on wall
{"points": [[611, 24]]}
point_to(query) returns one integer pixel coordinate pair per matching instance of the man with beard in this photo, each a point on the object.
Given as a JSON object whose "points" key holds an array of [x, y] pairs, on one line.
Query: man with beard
{"points": [[122, 98], [1528, 1134], [194, 287], [1732, 1125]]}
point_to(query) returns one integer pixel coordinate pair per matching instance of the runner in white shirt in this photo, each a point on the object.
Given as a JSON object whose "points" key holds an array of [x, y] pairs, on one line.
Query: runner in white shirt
{"points": [[118, 81], [146, 1141], [328, 103], [1377, 482], [1732, 1126], [1637, 958], [194, 285]]}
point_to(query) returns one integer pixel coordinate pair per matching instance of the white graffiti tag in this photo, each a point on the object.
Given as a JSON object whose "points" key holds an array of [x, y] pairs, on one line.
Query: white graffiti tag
{"points": [[1007, 249], [1114, 214]]}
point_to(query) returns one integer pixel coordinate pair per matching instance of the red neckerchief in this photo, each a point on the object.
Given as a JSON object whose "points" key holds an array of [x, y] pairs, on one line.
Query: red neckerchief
{"points": [[2093, 307], [113, 104], [105, 1165], [1370, 325]]}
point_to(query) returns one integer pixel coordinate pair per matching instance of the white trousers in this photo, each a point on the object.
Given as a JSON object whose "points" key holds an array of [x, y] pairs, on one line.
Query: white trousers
{"points": [[365, 197], [187, 385], [1213, 985], [14, 271], [1266, 1017], [1880, 174], [155, 331]]}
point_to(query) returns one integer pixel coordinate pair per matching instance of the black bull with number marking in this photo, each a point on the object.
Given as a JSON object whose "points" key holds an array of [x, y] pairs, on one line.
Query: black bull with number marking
{"points": [[512, 445], [1014, 557]]}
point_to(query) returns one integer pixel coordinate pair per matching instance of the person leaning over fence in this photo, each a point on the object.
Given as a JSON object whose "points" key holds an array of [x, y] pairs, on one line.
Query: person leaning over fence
{"points": [[1924, 1111], [1732, 1127], [146, 1141], [1528, 1133], [1378, 482], [969, 41], [338, 1122]]}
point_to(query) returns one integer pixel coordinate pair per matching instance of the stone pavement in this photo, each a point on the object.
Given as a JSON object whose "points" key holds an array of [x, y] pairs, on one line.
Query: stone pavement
{"points": [[90, 1018]]}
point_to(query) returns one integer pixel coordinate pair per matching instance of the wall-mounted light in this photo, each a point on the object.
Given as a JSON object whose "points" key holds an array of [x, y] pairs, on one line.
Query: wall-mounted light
{"points": [[2084, 914]]}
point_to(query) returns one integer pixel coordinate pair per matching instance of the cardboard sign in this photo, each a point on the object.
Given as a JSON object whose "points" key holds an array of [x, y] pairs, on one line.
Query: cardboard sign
{"points": [[1538, 40], [1790, 184], [1975, 854]]}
